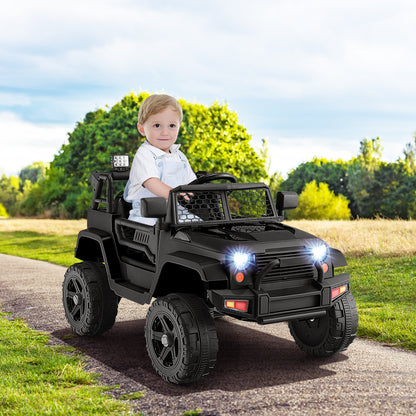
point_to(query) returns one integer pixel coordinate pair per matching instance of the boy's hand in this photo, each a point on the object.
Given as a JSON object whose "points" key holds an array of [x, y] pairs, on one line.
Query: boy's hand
{"points": [[186, 195]]}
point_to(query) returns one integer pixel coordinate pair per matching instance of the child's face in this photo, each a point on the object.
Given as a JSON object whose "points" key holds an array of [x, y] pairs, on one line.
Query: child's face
{"points": [[161, 129]]}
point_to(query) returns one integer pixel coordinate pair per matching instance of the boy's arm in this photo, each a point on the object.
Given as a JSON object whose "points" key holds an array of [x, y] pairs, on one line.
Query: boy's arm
{"points": [[157, 187]]}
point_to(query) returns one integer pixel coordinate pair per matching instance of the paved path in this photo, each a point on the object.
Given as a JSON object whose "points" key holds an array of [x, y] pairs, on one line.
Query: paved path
{"points": [[259, 371]]}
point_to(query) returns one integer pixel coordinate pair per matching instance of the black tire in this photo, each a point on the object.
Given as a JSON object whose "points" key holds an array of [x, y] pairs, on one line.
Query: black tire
{"points": [[89, 303], [181, 338], [330, 334]]}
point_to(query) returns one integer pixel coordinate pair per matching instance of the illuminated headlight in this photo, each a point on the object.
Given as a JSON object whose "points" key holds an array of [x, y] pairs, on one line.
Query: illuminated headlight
{"points": [[319, 252], [120, 162], [240, 258]]}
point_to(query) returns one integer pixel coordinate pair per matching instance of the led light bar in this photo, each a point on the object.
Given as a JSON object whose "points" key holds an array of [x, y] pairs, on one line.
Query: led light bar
{"points": [[120, 162]]}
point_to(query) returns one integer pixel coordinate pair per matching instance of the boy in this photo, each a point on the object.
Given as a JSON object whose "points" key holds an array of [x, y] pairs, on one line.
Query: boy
{"points": [[158, 165]]}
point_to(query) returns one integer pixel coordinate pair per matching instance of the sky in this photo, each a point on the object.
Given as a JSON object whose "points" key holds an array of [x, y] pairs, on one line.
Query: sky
{"points": [[314, 78]]}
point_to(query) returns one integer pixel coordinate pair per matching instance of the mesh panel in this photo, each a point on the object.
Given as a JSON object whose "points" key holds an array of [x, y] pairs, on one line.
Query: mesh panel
{"points": [[222, 205], [249, 203], [200, 206]]}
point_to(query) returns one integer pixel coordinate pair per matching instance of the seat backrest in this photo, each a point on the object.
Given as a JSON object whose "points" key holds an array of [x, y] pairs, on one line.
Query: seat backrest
{"points": [[121, 206]]}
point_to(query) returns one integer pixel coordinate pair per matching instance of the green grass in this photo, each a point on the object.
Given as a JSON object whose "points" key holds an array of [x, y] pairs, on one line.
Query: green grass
{"points": [[54, 248], [384, 287], [38, 379], [385, 291]]}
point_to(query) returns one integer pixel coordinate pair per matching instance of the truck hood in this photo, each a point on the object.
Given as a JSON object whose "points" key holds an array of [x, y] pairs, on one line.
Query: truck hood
{"points": [[219, 239]]}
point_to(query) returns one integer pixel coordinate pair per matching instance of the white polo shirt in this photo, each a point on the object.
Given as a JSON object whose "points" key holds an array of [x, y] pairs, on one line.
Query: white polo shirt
{"points": [[146, 164]]}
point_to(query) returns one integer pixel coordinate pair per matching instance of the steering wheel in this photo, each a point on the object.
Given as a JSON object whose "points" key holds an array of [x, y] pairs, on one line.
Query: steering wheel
{"points": [[213, 177]]}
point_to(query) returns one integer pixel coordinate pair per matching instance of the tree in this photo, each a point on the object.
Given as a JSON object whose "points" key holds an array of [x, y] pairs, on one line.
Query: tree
{"points": [[361, 185], [410, 157], [318, 202], [33, 173], [275, 180], [9, 193], [334, 173], [214, 141], [211, 137]]}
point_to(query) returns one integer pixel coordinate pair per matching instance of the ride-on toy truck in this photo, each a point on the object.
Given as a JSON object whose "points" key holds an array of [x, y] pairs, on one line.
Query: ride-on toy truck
{"points": [[217, 249]]}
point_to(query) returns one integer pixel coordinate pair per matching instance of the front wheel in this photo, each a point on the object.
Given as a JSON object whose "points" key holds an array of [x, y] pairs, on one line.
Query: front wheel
{"points": [[181, 338], [89, 303], [330, 334]]}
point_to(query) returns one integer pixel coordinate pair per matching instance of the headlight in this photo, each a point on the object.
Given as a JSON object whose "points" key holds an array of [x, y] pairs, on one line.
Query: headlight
{"points": [[319, 252], [240, 260]]}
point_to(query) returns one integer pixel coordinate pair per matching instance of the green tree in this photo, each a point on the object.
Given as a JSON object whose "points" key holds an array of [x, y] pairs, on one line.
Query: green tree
{"points": [[214, 141], [275, 180], [334, 173], [410, 157], [33, 173], [9, 193], [318, 202], [363, 190], [211, 137]]}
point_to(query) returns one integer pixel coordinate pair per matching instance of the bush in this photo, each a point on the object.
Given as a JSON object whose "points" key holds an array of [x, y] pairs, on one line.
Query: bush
{"points": [[3, 212], [317, 202]]}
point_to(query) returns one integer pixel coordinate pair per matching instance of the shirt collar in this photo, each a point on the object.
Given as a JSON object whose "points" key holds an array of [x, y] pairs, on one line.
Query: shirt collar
{"points": [[158, 152]]}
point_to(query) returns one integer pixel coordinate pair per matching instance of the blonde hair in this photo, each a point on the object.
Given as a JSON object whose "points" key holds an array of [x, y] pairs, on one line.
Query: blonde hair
{"points": [[155, 104]]}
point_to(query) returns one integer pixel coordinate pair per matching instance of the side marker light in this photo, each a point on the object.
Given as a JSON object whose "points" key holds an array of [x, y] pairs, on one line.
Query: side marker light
{"points": [[239, 305], [338, 291]]}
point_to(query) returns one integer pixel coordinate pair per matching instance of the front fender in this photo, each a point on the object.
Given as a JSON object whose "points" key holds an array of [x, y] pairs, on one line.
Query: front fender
{"points": [[210, 270], [337, 258]]}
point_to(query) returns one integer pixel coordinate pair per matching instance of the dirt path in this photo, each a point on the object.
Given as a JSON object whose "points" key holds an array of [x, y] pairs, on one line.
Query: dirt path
{"points": [[259, 371]]}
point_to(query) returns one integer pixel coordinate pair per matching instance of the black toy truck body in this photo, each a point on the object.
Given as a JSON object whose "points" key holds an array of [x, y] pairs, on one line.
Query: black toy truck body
{"points": [[216, 249]]}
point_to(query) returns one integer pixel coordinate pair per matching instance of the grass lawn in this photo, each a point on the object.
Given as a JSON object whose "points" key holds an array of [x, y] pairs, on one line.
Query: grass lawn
{"points": [[385, 291], [38, 379], [381, 257]]}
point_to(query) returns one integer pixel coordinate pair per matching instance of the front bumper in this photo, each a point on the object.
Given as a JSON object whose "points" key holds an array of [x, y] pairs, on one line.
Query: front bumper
{"points": [[300, 302]]}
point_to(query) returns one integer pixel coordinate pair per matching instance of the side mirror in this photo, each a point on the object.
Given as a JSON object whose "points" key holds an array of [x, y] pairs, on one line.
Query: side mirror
{"points": [[153, 207], [286, 200]]}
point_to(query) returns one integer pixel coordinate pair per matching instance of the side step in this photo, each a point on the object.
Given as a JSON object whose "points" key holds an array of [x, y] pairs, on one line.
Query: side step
{"points": [[131, 292]]}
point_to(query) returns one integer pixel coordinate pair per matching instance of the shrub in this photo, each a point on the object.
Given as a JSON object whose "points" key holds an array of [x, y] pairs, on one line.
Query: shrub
{"points": [[317, 202], [3, 212]]}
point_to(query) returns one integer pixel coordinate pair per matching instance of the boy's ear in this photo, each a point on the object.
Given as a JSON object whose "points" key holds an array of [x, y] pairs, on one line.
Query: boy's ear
{"points": [[141, 129]]}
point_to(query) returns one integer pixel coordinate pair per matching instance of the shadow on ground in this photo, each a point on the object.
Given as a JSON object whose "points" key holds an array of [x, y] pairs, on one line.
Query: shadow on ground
{"points": [[247, 359]]}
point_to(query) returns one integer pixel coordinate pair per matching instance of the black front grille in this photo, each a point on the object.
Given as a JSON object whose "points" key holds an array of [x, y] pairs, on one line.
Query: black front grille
{"points": [[302, 268]]}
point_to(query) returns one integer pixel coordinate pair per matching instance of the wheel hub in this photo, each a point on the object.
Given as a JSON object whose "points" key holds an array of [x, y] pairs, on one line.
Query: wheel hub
{"points": [[166, 340], [75, 299]]}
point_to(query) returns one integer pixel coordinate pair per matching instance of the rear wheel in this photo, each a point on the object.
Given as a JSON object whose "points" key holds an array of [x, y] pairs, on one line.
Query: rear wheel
{"points": [[332, 333], [89, 303], [181, 338]]}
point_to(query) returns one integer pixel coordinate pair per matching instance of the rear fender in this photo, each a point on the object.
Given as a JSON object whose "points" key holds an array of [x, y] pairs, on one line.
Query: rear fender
{"points": [[97, 245]]}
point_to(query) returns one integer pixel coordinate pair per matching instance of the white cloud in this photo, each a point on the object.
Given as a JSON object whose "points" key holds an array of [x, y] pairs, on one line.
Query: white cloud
{"points": [[23, 143], [268, 49], [355, 58]]}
